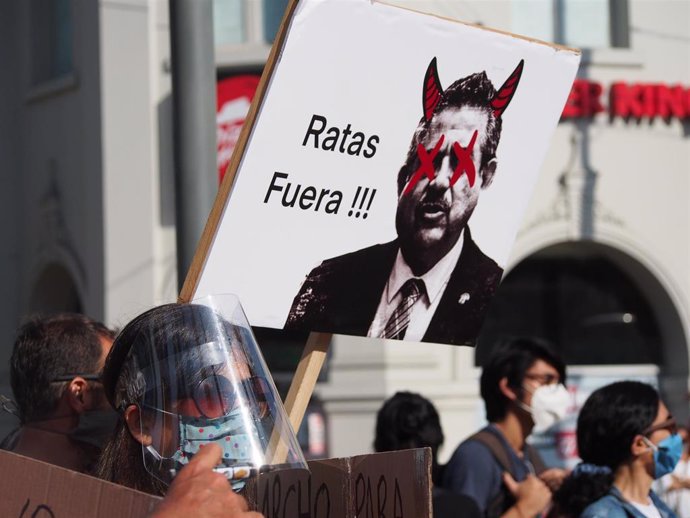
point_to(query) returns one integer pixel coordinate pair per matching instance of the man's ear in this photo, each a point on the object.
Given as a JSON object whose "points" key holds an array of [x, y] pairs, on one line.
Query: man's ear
{"points": [[77, 394], [639, 446], [506, 390], [487, 172], [136, 425]]}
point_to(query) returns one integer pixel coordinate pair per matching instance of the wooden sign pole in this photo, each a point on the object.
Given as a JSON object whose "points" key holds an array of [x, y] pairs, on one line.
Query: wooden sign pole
{"points": [[317, 344], [305, 377], [301, 389]]}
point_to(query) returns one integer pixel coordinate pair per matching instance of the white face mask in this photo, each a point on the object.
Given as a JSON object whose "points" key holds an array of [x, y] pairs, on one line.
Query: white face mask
{"points": [[549, 406]]}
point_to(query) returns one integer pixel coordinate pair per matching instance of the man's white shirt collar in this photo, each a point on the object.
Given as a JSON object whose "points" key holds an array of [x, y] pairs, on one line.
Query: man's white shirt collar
{"points": [[435, 279]]}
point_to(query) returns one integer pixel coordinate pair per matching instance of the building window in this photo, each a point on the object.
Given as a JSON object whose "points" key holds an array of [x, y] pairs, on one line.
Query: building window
{"points": [[578, 23], [228, 18], [237, 22], [273, 14], [51, 39]]}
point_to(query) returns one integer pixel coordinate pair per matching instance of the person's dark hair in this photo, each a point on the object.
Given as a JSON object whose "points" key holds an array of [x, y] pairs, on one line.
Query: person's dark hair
{"points": [[408, 420], [511, 359], [475, 91], [49, 347], [609, 421], [148, 335]]}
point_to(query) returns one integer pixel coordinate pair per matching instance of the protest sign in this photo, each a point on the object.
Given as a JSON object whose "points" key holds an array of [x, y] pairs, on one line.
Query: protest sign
{"points": [[409, 150], [392, 484], [384, 484], [33, 489]]}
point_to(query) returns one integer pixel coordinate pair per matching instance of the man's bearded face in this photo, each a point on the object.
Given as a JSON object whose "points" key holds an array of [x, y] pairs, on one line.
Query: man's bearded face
{"points": [[444, 182]]}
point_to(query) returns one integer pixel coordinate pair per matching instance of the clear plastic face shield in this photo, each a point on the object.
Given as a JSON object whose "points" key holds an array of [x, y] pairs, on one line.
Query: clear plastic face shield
{"points": [[200, 378]]}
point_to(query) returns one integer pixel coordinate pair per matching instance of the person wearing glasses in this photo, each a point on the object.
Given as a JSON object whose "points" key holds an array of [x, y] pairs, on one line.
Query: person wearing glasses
{"points": [[184, 376], [523, 387], [626, 438], [55, 366]]}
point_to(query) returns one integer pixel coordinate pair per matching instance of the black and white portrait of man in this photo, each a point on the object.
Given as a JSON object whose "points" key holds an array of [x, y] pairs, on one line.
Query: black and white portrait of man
{"points": [[432, 283]]}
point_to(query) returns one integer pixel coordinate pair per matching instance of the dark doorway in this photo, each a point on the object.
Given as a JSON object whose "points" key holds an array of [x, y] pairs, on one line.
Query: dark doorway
{"points": [[578, 299]]}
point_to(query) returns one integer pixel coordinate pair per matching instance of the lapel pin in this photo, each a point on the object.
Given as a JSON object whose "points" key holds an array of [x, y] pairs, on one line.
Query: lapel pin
{"points": [[464, 298]]}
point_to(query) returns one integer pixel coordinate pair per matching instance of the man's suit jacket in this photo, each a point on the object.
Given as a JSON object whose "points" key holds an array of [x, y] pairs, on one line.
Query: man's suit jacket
{"points": [[341, 295]]}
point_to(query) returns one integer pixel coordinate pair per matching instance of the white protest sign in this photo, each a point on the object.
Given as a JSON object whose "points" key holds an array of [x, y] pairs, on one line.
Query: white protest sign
{"points": [[360, 92]]}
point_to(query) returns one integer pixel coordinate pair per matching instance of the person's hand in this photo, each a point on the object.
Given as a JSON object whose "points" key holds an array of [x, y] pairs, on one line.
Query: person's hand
{"points": [[553, 478], [200, 492], [676, 484], [679, 483], [532, 496]]}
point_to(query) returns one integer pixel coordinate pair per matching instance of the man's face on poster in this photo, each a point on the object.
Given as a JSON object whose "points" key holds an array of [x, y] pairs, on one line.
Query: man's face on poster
{"points": [[432, 212]]}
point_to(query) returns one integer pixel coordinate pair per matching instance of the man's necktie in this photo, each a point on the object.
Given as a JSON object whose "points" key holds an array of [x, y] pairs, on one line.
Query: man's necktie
{"points": [[400, 318]]}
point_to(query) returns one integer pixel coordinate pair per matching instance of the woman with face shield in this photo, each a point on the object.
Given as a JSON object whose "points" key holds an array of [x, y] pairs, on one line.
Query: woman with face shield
{"points": [[186, 375], [626, 438]]}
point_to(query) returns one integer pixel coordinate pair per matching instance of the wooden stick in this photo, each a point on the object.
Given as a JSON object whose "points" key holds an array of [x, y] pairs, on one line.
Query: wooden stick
{"points": [[301, 389], [305, 377]]}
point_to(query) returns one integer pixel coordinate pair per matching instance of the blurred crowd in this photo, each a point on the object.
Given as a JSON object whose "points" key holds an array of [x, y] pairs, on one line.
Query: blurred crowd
{"points": [[127, 407]]}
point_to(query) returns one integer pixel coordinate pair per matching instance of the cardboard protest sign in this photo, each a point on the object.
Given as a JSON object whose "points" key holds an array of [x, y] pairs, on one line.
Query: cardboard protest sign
{"points": [[392, 484], [387, 168], [33, 489]]}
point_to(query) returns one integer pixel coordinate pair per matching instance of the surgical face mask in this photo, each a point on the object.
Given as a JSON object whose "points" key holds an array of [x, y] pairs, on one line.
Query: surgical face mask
{"points": [[549, 405], [666, 454], [229, 433], [95, 427]]}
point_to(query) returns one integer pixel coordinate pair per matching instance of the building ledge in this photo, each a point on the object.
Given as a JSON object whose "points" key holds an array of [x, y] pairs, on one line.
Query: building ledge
{"points": [[612, 58], [52, 87], [231, 56]]}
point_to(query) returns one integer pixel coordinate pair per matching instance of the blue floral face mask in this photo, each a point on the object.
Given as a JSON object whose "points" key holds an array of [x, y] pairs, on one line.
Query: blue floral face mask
{"points": [[229, 432], [666, 454]]}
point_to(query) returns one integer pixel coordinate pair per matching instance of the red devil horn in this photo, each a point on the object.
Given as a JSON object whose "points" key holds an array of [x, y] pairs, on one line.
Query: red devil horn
{"points": [[505, 93], [432, 90]]}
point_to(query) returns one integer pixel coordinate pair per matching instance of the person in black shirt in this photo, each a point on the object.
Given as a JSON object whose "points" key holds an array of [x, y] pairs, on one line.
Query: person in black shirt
{"points": [[408, 420]]}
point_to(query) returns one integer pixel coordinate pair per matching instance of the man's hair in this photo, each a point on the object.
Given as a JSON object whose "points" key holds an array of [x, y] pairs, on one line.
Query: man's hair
{"points": [[608, 423], [409, 420], [511, 360], [474, 91], [46, 348]]}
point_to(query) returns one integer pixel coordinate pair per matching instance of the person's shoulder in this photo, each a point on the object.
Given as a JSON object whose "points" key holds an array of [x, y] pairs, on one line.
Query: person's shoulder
{"points": [[476, 259], [660, 503], [335, 284], [341, 268], [473, 453], [354, 260], [607, 506]]}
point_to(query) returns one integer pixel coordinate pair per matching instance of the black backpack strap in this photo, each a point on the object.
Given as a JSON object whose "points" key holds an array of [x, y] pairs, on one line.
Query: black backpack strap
{"points": [[535, 459], [503, 500], [496, 447]]}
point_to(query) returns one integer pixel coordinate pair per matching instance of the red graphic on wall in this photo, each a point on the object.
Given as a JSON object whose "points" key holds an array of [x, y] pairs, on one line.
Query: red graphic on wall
{"points": [[636, 101], [234, 96]]}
